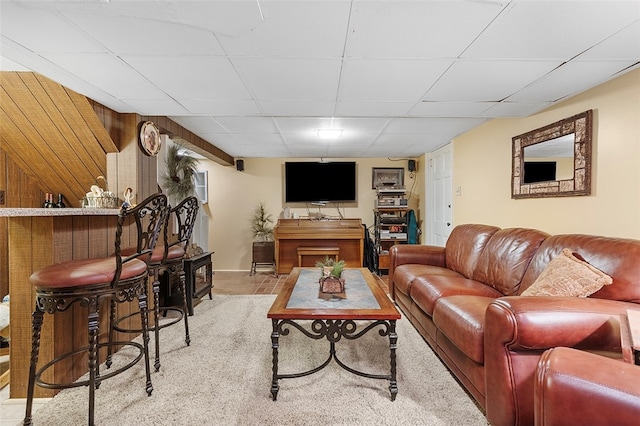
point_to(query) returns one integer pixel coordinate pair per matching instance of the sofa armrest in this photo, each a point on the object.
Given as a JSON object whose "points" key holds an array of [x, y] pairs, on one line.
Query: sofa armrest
{"points": [[584, 388], [518, 329], [403, 254]]}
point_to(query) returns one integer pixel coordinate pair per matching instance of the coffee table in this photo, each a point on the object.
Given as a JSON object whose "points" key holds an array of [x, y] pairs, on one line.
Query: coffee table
{"points": [[364, 304]]}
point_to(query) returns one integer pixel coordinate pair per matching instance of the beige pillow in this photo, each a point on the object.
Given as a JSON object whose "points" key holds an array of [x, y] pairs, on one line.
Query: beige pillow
{"points": [[568, 275]]}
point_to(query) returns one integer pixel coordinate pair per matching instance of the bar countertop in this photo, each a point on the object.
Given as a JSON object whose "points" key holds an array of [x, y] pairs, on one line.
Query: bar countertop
{"points": [[15, 212]]}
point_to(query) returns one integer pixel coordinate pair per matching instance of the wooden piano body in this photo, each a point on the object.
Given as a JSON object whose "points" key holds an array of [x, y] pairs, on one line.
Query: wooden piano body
{"points": [[346, 234]]}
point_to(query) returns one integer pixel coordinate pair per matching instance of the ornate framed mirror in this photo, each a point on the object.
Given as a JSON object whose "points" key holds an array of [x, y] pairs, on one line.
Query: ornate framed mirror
{"points": [[553, 161]]}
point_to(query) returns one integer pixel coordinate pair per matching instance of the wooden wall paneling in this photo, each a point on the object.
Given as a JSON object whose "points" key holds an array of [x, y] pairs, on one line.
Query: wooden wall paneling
{"points": [[21, 151], [4, 257], [110, 121], [30, 193], [39, 150], [69, 134], [98, 131], [65, 328], [4, 247], [30, 239]]}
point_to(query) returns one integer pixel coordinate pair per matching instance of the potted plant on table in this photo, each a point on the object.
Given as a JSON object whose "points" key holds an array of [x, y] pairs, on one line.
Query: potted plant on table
{"points": [[331, 280], [263, 251]]}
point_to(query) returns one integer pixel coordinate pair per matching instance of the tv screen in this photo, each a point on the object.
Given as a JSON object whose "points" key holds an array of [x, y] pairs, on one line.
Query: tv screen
{"points": [[539, 171], [307, 181]]}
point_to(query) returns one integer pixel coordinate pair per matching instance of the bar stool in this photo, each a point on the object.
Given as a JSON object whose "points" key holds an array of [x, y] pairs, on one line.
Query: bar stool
{"points": [[167, 260], [87, 283]]}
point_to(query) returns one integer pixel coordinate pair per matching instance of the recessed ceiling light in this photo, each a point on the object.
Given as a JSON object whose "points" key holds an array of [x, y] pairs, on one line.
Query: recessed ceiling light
{"points": [[329, 133]]}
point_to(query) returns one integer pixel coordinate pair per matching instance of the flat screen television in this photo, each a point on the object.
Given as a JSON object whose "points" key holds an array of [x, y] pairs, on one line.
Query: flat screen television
{"points": [[307, 181], [539, 171]]}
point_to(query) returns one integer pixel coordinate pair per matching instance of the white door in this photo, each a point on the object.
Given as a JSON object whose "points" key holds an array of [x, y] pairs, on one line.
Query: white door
{"points": [[439, 197]]}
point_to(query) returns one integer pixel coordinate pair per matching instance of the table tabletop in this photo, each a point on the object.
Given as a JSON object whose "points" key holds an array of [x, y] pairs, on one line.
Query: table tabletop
{"points": [[300, 298]]}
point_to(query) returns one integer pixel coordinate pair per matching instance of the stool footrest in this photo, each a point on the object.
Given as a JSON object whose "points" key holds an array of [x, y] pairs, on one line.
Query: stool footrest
{"points": [[86, 382]]}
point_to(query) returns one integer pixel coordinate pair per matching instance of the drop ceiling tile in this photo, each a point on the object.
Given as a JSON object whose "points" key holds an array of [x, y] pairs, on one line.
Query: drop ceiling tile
{"points": [[531, 29], [291, 79], [360, 124], [221, 107], [163, 106], [319, 29], [515, 109], [248, 125], [571, 78], [622, 45], [372, 109], [413, 125], [487, 81], [398, 140], [43, 31], [147, 36], [303, 125], [415, 29], [297, 108], [449, 109], [259, 140], [400, 80], [108, 73], [196, 77], [201, 125], [346, 151], [456, 126], [7, 64]]}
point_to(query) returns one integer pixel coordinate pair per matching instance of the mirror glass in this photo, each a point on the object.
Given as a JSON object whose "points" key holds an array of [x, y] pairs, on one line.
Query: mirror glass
{"points": [[553, 161], [549, 160]]}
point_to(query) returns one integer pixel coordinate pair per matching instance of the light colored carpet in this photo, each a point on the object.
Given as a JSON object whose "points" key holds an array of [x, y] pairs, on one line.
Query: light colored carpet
{"points": [[224, 378]]}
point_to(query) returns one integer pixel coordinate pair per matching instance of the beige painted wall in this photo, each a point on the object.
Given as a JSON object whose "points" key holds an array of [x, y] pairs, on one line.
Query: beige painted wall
{"points": [[482, 168], [233, 196]]}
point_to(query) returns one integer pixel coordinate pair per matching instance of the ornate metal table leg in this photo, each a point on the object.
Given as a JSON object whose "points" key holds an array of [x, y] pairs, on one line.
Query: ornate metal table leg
{"points": [[274, 345], [393, 344]]}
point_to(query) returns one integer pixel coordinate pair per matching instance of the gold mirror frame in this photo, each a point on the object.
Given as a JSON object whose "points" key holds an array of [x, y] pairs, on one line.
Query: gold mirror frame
{"points": [[581, 126]]}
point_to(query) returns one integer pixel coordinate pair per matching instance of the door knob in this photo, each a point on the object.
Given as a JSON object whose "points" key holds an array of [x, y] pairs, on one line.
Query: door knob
{"points": [[448, 223]]}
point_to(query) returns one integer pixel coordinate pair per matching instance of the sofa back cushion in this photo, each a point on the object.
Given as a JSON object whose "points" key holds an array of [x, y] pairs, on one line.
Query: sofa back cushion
{"points": [[617, 257], [506, 257], [464, 246]]}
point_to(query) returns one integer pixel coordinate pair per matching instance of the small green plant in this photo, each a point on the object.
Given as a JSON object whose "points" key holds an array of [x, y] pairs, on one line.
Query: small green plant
{"points": [[261, 223], [337, 266]]}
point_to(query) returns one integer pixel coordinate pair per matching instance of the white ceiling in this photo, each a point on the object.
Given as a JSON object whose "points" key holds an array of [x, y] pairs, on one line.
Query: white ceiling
{"points": [[259, 78]]}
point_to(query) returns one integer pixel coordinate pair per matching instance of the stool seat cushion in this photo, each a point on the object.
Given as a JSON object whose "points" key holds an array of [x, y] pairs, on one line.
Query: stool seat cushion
{"points": [[85, 272], [175, 252]]}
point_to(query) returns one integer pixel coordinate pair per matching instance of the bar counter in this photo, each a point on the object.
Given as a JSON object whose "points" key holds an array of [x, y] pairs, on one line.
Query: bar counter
{"points": [[38, 237]]}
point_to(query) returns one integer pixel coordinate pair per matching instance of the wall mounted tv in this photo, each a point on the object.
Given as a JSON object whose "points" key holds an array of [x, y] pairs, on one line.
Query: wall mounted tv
{"points": [[307, 181]]}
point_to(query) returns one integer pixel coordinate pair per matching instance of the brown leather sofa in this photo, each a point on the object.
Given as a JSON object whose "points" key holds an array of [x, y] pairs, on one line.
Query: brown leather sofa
{"points": [[464, 299], [582, 388]]}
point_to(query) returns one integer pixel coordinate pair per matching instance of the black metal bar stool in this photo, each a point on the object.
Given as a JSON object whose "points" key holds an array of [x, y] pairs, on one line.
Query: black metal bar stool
{"points": [[167, 260], [87, 282]]}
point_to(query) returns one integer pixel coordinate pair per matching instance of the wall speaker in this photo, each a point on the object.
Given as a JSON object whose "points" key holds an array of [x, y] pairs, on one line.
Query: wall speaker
{"points": [[240, 165], [412, 165]]}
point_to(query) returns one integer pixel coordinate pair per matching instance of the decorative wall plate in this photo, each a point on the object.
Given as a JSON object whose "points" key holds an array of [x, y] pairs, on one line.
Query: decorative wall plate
{"points": [[150, 138]]}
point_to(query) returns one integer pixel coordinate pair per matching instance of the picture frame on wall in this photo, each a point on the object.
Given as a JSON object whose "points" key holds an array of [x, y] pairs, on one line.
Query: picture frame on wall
{"points": [[387, 177]]}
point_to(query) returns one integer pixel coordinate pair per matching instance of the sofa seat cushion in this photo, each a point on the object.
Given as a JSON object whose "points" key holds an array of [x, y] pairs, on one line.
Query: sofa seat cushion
{"points": [[404, 275], [461, 319], [426, 290]]}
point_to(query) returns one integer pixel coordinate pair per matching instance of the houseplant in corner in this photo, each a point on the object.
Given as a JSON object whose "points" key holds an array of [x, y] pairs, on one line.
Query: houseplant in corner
{"points": [[263, 250]]}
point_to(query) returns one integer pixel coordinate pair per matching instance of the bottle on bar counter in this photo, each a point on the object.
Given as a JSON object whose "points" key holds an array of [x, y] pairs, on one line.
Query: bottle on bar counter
{"points": [[48, 201], [60, 204]]}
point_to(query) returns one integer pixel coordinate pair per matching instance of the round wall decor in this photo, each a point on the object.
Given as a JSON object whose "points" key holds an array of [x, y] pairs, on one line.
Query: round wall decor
{"points": [[149, 138]]}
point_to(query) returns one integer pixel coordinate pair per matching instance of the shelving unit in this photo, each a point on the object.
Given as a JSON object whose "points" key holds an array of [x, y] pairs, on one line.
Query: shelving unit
{"points": [[390, 221]]}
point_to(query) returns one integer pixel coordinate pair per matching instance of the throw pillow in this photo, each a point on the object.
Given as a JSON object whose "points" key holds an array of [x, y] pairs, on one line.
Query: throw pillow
{"points": [[568, 275]]}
